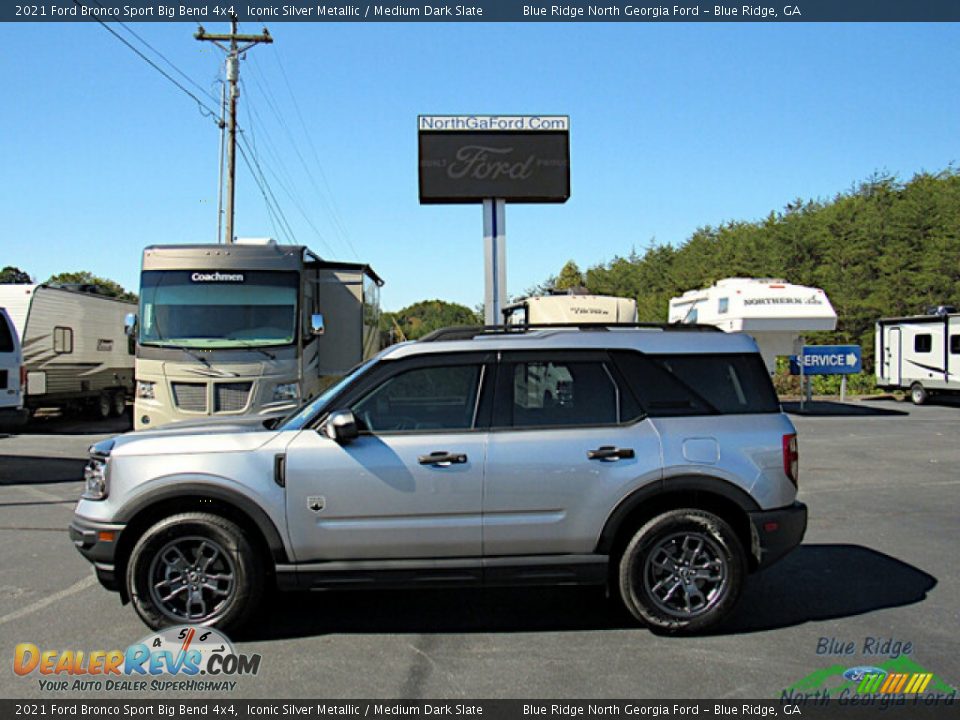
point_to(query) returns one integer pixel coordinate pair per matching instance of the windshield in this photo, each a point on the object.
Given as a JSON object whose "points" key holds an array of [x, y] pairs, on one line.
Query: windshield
{"points": [[315, 406], [218, 309]]}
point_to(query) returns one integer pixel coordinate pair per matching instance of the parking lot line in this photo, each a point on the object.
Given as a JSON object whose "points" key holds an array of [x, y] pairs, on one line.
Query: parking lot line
{"points": [[78, 586]]}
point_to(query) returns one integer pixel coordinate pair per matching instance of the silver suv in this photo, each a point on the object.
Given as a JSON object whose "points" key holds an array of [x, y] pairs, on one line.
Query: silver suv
{"points": [[653, 460]]}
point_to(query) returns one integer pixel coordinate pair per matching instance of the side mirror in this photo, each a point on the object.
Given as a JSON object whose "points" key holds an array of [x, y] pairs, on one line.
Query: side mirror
{"points": [[316, 324], [341, 427], [129, 324]]}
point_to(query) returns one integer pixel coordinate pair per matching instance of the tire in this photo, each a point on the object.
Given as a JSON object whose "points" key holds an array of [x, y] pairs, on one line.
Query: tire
{"points": [[918, 394], [687, 535], [118, 403], [234, 573], [102, 406]]}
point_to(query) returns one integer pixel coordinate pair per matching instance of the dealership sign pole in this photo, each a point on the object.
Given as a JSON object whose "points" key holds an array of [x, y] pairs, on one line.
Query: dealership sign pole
{"points": [[493, 160]]}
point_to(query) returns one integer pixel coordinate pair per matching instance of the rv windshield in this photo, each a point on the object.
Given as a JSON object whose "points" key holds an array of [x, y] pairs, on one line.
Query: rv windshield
{"points": [[218, 309]]}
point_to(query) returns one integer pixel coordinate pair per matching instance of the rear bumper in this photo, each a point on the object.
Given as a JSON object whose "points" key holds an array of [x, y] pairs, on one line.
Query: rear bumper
{"points": [[774, 533], [97, 542], [14, 417]]}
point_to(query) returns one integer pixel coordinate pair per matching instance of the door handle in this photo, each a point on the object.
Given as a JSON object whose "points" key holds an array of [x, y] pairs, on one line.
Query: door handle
{"points": [[610, 452], [442, 458]]}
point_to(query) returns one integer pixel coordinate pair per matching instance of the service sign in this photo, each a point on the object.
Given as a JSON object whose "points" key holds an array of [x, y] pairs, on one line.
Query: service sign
{"points": [[471, 158], [827, 360]]}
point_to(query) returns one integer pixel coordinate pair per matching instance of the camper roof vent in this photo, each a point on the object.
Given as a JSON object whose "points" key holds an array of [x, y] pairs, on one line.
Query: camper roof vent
{"points": [[941, 309]]}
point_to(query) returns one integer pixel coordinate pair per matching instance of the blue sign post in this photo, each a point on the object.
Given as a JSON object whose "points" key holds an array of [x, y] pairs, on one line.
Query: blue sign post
{"points": [[828, 360]]}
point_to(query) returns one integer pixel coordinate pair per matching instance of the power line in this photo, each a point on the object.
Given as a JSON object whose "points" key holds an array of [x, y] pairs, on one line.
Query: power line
{"points": [[273, 105], [292, 194], [167, 61], [205, 110], [334, 210], [257, 171]]}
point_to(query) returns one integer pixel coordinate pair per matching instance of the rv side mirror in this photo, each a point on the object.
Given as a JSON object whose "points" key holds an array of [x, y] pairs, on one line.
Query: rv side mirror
{"points": [[129, 324], [316, 324], [341, 427]]}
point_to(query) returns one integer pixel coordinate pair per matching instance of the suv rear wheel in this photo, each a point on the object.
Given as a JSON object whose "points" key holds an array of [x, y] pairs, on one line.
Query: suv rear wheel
{"points": [[197, 569], [682, 571]]}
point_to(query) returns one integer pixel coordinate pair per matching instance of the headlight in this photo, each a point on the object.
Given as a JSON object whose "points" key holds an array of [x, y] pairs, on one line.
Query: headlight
{"points": [[287, 391], [95, 479], [145, 390]]}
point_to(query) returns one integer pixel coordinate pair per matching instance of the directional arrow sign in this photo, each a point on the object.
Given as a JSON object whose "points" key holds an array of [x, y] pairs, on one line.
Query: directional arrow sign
{"points": [[827, 360]]}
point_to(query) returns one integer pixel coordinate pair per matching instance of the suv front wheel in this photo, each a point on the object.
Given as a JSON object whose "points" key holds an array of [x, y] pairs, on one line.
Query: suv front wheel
{"points": [[197, 569], [682, 572]]}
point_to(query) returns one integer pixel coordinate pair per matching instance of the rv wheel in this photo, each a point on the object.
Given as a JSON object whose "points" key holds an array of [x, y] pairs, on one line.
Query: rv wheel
{"points": [[918, 394], [119, 403], [103, 406]]}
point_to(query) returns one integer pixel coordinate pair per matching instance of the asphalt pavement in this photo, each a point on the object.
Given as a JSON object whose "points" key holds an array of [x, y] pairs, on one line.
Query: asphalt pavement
{"points": [[879, 563]]}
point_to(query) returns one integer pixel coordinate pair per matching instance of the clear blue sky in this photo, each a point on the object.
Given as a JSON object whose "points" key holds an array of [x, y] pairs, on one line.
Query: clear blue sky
{"points": [[673, 127]]}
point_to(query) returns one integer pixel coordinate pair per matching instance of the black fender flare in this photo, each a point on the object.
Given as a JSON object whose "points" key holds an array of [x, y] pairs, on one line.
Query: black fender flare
{"points": [[245, 505], [683, 484]]}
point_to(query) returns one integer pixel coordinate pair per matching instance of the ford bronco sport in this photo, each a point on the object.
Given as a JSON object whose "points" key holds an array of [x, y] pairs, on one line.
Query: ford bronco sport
{"points": [[654, 460]]}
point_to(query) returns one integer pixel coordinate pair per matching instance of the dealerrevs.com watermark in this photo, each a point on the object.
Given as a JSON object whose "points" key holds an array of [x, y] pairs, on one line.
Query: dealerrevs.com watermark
{"points": [[178, 659]]}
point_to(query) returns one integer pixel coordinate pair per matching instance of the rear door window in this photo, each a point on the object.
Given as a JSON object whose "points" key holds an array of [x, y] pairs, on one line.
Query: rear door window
{"points": [[702, 384], [544, 390]]}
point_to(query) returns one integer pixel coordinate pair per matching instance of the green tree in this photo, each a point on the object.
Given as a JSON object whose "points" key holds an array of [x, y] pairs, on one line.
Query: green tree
{"points": [[14, 276], [570, 277], [424, 317], [103, 285]]}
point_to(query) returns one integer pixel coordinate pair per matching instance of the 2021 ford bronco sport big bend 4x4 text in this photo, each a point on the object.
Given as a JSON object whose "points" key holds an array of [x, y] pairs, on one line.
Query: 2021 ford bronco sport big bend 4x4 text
{"points": [[653, 459]]}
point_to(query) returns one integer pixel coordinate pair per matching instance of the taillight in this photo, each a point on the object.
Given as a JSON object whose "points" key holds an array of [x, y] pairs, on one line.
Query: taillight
{"points": [[791, 458], [23, 378]]}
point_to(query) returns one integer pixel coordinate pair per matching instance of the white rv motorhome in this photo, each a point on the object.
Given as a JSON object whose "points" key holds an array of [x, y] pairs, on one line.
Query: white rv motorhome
{"points": [[776, 313], [921, 352], [74, 349], [247, 329], [570, 308]]}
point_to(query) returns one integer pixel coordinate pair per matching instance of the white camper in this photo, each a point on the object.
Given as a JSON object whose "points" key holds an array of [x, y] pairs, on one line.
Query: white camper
{"points": [[570, 308], [776, 313], [74, 349], [921, 352]]}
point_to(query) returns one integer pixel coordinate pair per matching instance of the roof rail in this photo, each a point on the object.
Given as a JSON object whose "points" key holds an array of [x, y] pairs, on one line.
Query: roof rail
{"points": [[468, 332]]}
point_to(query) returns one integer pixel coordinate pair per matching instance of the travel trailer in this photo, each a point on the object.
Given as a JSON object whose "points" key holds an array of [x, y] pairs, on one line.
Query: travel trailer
{"points": [[921, 352], [75, 353], [246, 329], [774, 312], [570, 307]]}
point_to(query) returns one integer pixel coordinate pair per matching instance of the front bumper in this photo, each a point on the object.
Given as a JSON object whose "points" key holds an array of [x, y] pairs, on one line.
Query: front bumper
{"points": [[97, 542], [774, 533]]}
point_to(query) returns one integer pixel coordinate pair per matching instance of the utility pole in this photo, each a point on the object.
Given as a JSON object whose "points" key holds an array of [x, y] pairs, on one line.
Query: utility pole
{"points": [[234, 50]]}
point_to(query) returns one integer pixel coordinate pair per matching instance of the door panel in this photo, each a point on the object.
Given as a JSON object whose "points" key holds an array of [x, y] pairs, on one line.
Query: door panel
{"points": [[377, 501], [543, 495], [893, 356]]}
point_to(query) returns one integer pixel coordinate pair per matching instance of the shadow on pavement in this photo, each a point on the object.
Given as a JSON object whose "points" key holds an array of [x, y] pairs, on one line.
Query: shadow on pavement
{"points": [[816, 582], [487, 610], [827, 582], [26, 470], [827, 408], [73, 424]]}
